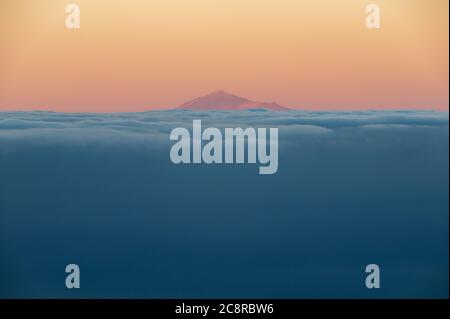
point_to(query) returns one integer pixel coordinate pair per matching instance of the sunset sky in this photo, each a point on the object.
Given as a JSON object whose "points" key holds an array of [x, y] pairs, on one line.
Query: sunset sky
{"points": [[134, 55]]}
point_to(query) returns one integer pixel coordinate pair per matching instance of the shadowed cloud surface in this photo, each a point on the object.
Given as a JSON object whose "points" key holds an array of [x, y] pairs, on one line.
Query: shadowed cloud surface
{"points": [[99, 190]]}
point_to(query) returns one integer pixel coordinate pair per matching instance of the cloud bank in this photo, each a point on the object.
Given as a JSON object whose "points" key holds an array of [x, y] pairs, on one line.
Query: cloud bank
{"points": [[156, 124], [352, 188]]}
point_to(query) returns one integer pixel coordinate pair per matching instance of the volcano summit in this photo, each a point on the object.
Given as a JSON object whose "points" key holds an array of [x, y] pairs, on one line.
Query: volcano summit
{"points": [[221, 100]]}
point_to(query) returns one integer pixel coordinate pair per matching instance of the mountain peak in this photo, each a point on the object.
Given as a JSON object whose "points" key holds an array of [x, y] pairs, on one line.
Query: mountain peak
{"points": [[220, 92], [221, 100]]}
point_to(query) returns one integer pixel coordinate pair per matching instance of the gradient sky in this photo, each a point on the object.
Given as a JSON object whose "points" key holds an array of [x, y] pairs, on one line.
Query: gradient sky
{"points": [[132, 55]]}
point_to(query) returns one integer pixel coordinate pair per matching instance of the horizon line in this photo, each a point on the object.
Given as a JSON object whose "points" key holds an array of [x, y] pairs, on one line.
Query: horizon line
{"points": [[226, 110]]}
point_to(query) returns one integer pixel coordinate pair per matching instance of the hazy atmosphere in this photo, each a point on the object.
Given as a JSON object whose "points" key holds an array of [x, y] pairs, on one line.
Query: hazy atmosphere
{"points": [[139, 55]]}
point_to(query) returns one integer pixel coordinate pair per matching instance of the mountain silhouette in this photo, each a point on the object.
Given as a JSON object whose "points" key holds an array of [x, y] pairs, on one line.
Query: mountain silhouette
{"points": [[221, 100]]}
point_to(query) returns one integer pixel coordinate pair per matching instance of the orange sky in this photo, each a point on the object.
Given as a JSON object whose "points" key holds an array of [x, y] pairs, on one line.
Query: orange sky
{"points": [[132, 55]]}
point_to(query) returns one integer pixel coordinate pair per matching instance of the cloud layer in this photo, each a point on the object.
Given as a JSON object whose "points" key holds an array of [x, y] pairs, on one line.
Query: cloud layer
{"points": [[352, 188], [156, 123]]}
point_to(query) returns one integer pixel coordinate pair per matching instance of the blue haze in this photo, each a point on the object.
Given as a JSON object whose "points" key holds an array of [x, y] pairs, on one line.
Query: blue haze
{"points": [[99, 190]]}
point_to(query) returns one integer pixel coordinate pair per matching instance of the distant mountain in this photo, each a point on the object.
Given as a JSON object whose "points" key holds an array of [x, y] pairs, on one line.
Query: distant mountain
{"points": [[221, 100]]}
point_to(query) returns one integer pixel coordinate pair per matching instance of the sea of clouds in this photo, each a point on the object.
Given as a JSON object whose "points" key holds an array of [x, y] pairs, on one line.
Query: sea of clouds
{"points": [[99, 190], [152, 129], [156, 123]]}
